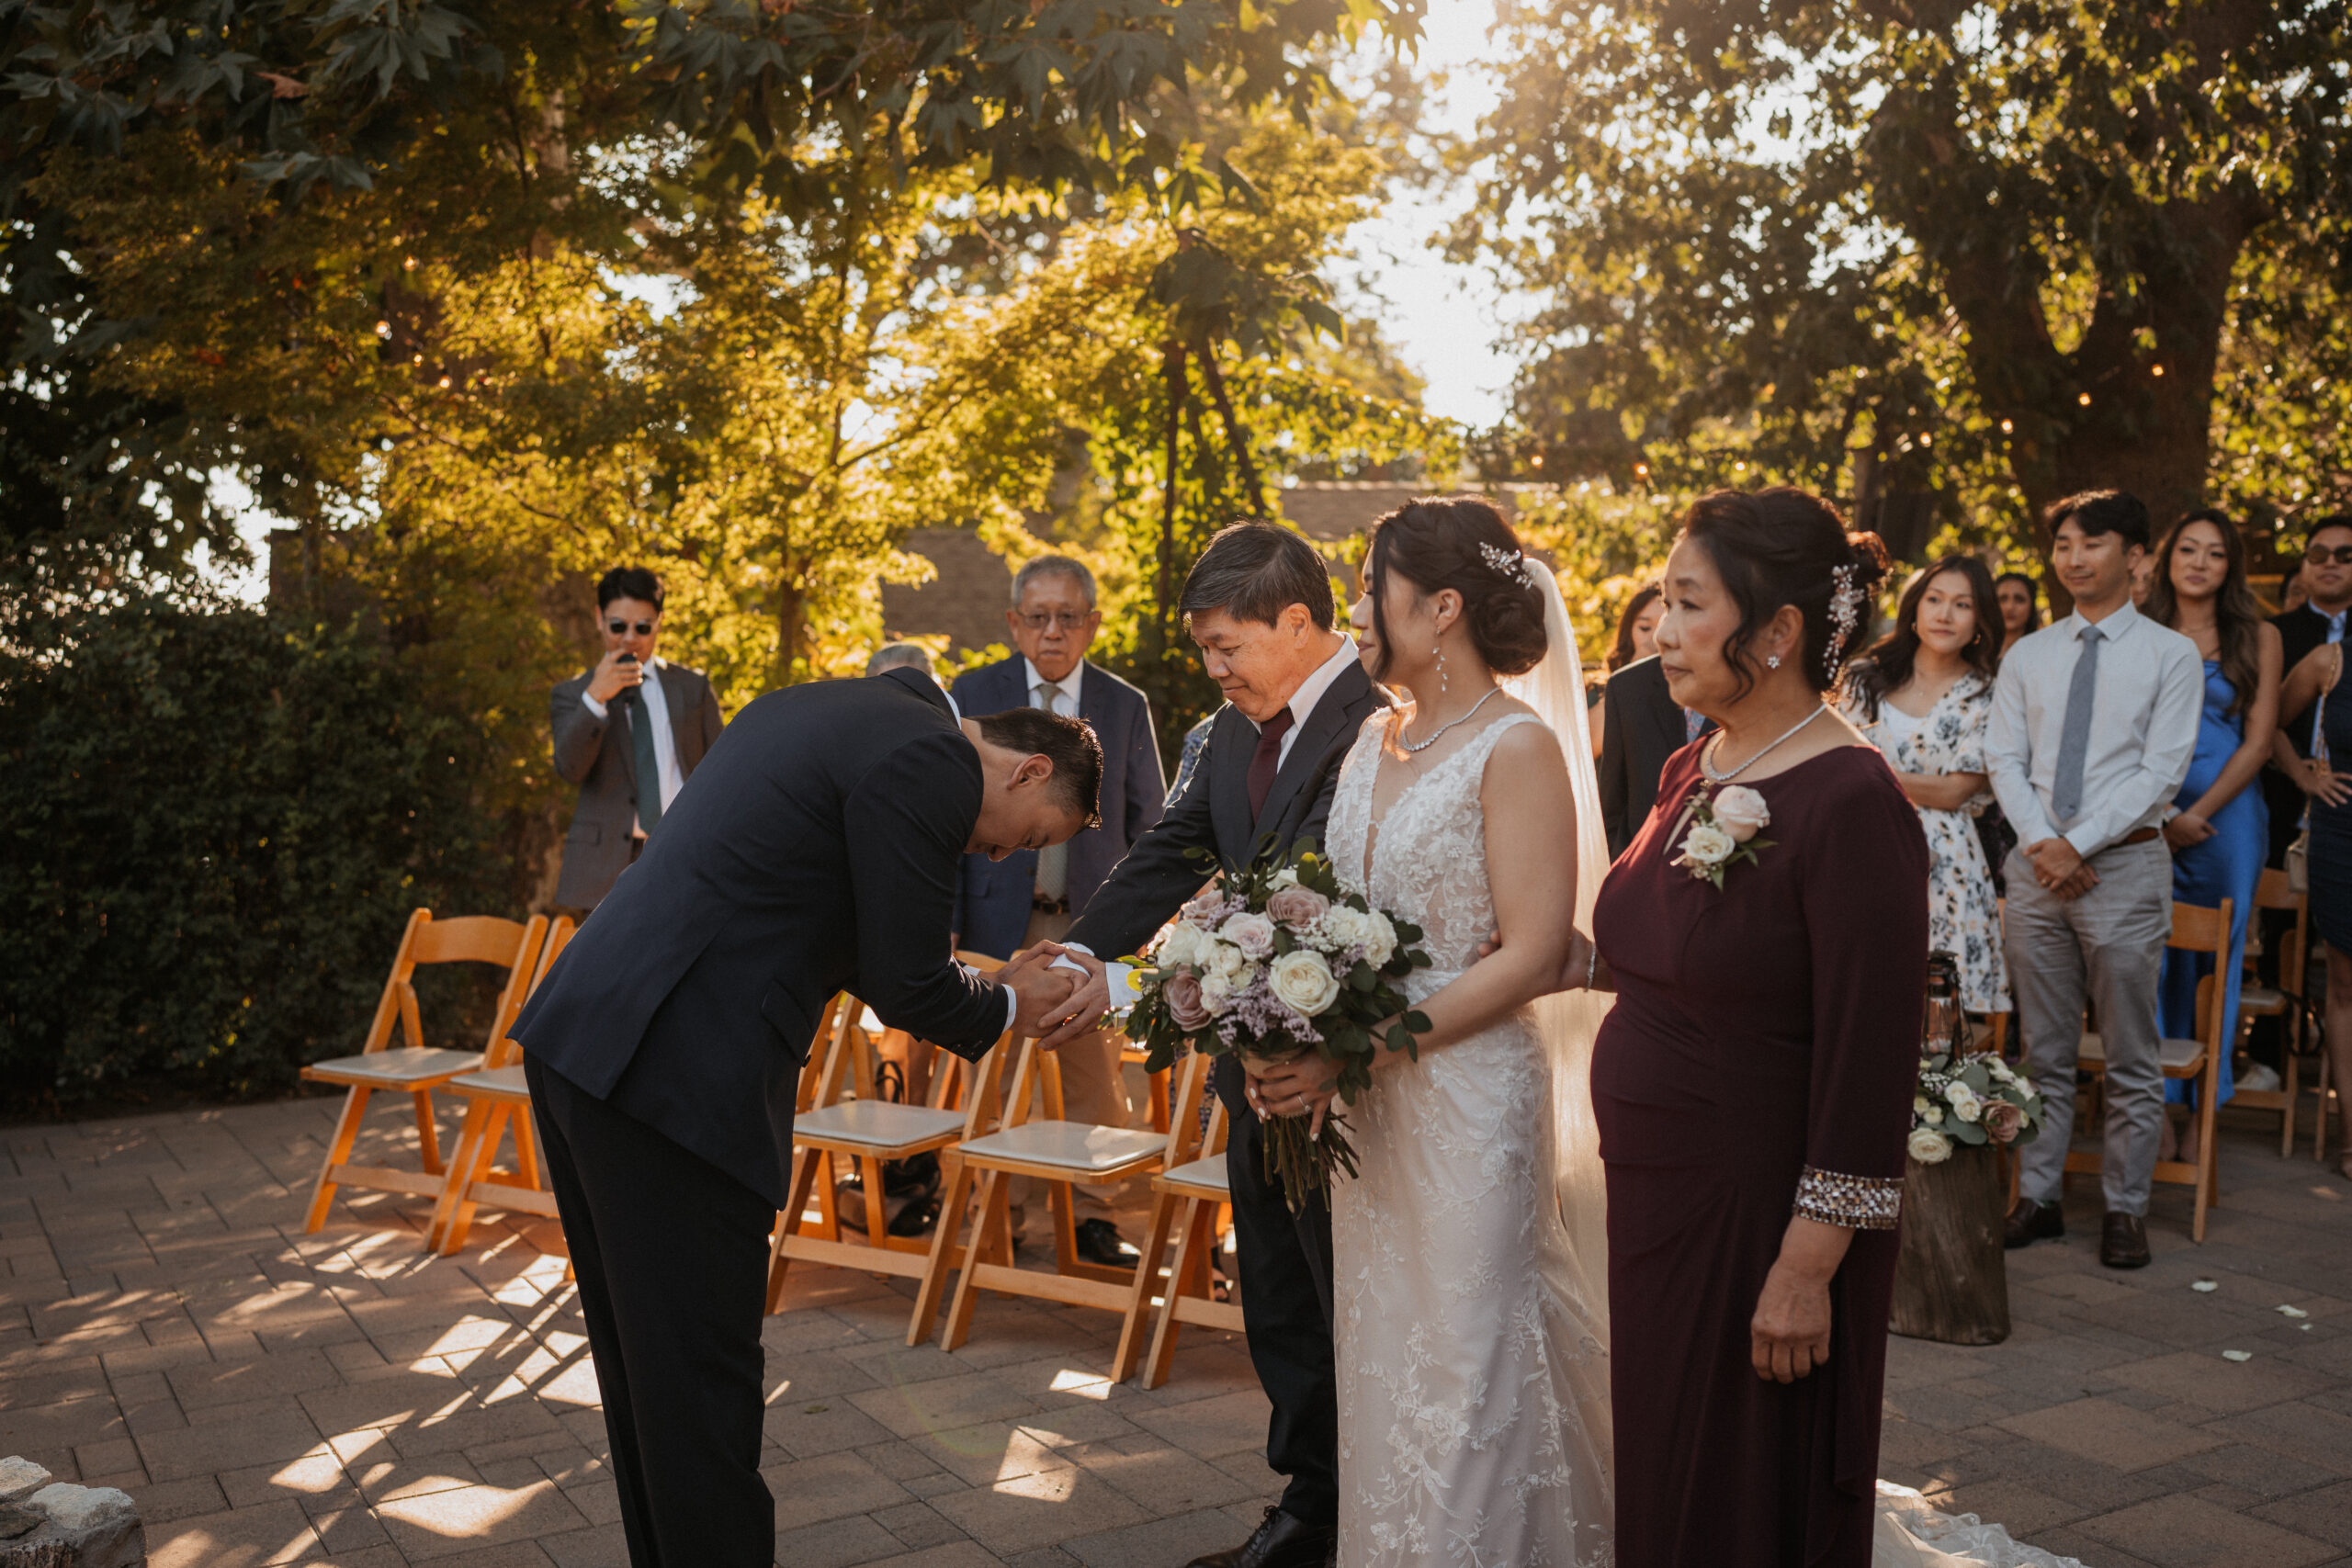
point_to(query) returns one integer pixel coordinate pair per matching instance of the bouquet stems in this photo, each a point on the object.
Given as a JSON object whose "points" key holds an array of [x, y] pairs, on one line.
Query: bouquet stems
{"points": [[1302, 1164]]}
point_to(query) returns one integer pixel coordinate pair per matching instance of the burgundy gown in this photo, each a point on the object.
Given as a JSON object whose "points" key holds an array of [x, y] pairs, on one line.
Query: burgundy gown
{"points": [[1760, 1060]]}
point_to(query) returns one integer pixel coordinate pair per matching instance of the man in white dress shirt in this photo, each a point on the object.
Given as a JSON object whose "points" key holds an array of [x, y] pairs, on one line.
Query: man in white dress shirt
{"points": [[628, 741], [2094, 723]]}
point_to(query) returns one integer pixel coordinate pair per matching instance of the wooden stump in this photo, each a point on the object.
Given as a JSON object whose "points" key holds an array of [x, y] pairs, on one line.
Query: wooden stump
{"points": [[1950, 1281]]}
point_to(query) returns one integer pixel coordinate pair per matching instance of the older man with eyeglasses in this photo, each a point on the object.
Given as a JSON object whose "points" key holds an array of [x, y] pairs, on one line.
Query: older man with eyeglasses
{"points": [[630, 733], [1032, 896]]}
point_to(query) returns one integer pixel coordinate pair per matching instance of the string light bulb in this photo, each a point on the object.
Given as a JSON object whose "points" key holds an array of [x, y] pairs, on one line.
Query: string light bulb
{"points": [[2085, 399], [2007, 427], [2155, 371]]}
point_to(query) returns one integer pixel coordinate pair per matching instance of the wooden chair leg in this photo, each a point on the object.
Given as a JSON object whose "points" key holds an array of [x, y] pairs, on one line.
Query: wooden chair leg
{"points": [[990, 1227], [1190, 1238], [527, 1146], [428, 1137], [2319, 1129], [1064, 1204], [943, 1248], [346, 1133], [1159, 1106], [877, 1211], [453, 1185], [1155, 1248], [828, 1216], [2290, 1079], [805, 1165], [480, 1163]]}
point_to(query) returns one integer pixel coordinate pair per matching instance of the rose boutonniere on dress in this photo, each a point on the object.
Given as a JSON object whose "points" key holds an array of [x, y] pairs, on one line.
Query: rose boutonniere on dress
{"points": [[1723, 828]]}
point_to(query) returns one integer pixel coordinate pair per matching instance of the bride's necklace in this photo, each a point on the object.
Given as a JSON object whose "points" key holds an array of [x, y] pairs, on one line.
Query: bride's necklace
{"points": [[1412, 747], [1707, 766]]}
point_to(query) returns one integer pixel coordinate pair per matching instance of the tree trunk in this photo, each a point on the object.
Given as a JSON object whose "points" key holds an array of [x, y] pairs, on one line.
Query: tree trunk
{"points": [[1173, 366], [1952, 1281]]}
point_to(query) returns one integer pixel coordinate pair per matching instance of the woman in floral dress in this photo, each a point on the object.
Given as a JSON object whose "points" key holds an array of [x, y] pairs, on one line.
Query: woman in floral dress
{"points": [[1922, 696]]}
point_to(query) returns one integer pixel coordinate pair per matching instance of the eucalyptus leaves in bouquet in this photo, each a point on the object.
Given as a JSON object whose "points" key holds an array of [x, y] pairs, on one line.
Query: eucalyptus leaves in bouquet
{"points": [[1970, 1100], [1271, 963]]}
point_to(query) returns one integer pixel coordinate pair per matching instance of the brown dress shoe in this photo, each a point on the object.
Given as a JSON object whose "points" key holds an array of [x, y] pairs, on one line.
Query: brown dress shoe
{"points": [[2031, 1221], [2123, 1241]]}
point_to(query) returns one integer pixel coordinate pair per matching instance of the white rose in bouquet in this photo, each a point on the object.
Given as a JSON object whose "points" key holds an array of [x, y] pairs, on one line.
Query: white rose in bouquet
{"points": [[1218, 987], [1930, 1146], [1382, 944], [1964, 1103], [1252, 933], [1707, 844], [1740, 811], [1230, 961], [1344, 925], [1300, 979], [1287, 877], [1181, 942]]}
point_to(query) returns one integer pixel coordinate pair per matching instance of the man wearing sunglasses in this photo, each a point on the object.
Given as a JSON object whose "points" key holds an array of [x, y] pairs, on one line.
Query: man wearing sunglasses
{"points": [[630, 733], [2326, 577]]}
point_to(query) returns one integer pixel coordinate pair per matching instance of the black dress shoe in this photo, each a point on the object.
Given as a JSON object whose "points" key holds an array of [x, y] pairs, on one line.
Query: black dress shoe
{"points": [[2123, 1241], [2031, 1221], [1280, 1540], [1099, 1242]]}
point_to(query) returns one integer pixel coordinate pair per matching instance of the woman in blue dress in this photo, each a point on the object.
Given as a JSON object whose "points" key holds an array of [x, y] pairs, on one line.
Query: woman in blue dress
{"points": [[2220, 833]]}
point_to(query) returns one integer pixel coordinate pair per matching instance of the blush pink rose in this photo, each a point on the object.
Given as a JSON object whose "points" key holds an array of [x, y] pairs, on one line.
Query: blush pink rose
{"points": [[1203, 910], [1252, 933], [1181, 992], [1297, 908], [2003, 1120], [1740, 811]]}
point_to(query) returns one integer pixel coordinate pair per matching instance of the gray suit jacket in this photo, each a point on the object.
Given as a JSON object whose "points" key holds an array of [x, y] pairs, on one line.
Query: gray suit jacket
{"points": [[600, 758]]}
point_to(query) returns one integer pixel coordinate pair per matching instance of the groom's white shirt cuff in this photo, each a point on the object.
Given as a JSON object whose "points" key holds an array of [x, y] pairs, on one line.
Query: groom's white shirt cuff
{"points": [[1123, 994]]}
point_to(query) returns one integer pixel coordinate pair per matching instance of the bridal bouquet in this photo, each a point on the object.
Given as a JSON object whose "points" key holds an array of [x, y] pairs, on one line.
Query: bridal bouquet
{"points": [[1274, 962]]}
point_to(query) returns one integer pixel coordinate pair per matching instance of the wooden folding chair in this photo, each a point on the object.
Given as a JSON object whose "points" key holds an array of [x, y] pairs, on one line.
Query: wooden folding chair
{"points": [[413, 1069], [2194, 929], [1189, 1196], [1051, 1150], [497, 1099], [1141, 1057], [842, 1117], [2283, 1000]]}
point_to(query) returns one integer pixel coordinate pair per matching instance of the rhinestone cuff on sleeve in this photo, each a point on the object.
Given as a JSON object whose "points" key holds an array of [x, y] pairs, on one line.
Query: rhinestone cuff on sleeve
{"points": [[1859, 1202]]}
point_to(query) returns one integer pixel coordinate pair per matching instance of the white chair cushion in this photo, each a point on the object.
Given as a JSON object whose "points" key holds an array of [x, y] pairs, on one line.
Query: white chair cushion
{"points": [[406, 1064], [1071, 1145], [504, 1081], [2264, 999], [1209, 1172], [2178, 1055], [875, 1123]]}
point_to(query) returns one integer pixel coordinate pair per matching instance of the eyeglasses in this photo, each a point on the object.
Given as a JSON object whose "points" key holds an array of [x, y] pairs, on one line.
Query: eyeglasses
{"points": [[1059, 620], [620, 628], [2320, 555]]}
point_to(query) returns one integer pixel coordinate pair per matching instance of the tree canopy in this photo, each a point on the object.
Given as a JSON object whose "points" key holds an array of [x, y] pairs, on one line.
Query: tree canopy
{"points": [[1976, 255]]}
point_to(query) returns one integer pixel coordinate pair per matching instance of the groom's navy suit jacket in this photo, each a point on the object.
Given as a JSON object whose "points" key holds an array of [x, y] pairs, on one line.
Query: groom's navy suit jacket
{"points": [[814, 851], [1152, 883]]}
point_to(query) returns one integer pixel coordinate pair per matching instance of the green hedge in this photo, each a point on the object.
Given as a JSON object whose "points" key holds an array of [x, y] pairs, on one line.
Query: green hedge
{"points": [[216, 821]]}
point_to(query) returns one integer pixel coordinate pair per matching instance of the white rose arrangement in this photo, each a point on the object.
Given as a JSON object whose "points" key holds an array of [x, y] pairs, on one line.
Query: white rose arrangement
{"points": [[1969, 1100], [1722, 827], [1276, 960]]}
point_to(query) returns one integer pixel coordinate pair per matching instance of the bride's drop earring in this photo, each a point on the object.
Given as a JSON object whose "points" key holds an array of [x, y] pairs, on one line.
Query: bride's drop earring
{"points": [[1440, 651]]}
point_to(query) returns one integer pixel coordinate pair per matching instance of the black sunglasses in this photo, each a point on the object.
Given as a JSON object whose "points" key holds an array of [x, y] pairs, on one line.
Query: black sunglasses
{"points": [[2319, 554], [620, 628]]}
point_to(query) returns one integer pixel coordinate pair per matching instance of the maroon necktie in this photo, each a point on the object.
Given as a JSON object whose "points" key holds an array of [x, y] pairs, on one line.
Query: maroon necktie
{"points": [[1265, 760]]}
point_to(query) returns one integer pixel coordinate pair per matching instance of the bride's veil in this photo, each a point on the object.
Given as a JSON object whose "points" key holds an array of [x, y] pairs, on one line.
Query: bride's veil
{"points": [[1570, 1020]]}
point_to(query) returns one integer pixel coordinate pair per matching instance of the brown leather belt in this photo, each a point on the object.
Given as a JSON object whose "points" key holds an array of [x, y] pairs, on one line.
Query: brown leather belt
{"points": [[2137, 836]]}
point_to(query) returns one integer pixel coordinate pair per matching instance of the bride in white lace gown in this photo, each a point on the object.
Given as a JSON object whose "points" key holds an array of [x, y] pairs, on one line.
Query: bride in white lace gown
{"points": [[1472, 1359]]}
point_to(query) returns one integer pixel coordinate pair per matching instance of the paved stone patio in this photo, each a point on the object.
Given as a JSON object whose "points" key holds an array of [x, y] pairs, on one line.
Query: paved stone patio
{"points": [[271, 1397]]}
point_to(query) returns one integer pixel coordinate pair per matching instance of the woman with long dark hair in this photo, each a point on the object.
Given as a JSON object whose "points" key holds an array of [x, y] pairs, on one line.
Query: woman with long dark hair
{"points": [[1637, 628], [2019, 597], [2221, 833], [1923, 696]]}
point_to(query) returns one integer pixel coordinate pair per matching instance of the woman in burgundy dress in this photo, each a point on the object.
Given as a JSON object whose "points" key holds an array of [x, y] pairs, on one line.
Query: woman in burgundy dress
{"points": [[1753, 1083]]}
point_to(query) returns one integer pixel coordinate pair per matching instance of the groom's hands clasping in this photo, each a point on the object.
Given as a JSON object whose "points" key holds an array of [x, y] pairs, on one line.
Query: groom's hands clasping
{"points": [[1040, 991], [1089, 1000]]}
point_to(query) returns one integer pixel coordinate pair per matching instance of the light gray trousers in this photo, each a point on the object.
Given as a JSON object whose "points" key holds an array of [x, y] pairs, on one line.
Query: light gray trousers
{"points": [[2108, 947]]}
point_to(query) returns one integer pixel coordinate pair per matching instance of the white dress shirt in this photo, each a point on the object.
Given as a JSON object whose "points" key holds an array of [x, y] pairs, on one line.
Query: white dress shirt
{"points": [[1052, 878], [666, 741], [2144, 712], [1311, 692]]}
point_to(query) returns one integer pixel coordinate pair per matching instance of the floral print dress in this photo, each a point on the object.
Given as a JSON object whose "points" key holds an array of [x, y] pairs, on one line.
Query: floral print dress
{"points": [[1963, 914]]}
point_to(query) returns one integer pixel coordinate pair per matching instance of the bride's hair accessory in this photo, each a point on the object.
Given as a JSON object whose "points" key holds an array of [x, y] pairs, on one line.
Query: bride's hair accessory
{"points": [[1511, 564], [1845, 611]]}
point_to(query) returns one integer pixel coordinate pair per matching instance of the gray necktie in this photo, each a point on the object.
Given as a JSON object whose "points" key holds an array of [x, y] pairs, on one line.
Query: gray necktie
{"points": [[1053, 860], [2075, 740]]}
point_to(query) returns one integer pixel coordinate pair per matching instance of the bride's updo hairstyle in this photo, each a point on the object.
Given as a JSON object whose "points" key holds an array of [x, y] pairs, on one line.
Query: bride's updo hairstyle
{"points": [[1462, 544], [1785, 546]]}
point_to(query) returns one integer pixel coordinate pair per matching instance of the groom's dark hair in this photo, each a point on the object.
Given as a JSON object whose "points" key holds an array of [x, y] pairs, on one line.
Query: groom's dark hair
{"points": [[1253, 571], [1068, 743]]}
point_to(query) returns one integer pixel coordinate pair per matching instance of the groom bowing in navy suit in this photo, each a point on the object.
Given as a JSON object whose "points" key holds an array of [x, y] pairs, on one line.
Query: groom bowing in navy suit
{"points": [[1258, 605], [1028, 898]]}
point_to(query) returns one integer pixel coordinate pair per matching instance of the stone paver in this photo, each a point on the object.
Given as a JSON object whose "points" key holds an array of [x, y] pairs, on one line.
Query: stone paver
{"points": [[342, 1399]]}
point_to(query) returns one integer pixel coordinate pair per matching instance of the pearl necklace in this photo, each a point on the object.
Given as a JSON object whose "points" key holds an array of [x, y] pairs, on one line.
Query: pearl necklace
{"points": [[1412, 747], [1706, 767]]}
